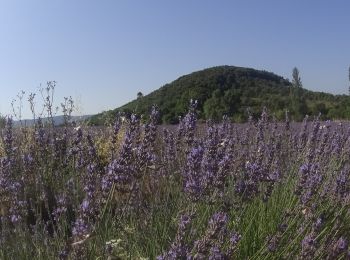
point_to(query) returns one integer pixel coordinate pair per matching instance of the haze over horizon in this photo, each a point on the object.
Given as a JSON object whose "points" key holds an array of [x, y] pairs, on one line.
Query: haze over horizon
{"points": [[103, 52]]}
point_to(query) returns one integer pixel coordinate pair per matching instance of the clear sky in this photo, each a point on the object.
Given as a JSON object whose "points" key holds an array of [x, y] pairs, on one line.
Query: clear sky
{"points": [[103, 52]]}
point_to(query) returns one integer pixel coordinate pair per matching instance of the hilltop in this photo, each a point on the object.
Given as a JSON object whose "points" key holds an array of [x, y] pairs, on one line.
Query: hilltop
{"points": [[232, 91]]}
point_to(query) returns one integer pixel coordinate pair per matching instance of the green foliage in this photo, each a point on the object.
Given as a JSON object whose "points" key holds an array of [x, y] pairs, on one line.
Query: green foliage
{"points": [[298, 107], [296, 81], [229, 90]]}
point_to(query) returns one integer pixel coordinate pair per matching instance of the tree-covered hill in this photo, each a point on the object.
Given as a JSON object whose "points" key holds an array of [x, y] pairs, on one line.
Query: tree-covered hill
{"points": [[232, 91]]}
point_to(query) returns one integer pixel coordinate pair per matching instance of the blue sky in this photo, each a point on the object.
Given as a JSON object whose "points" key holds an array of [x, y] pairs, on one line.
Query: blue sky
{"points": [[103, 52]]}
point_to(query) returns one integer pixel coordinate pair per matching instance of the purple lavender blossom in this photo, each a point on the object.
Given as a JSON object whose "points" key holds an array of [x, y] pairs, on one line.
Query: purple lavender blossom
{"points": [[61, 207], [8, 137], [303, 133], [193, 182], [216, 254], [224, 128], [342, 244], [178, 248], [216, 224], [235, 238], [170, 151], [342, 184], [213, 236], [308, 246], [190, 123], [80, 229], [121, 170], [310, 179], [338, 247], [248, 185]]}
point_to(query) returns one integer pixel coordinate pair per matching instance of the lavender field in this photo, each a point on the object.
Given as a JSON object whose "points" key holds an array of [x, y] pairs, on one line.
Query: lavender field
{"points": [[261, 190]]}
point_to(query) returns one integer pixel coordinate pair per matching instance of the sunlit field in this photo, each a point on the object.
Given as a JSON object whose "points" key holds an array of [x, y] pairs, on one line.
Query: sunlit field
{"points": [[138, 190]]}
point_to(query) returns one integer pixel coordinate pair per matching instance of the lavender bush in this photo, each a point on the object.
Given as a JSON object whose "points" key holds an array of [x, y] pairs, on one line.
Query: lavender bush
{"points": [[260, 190]]}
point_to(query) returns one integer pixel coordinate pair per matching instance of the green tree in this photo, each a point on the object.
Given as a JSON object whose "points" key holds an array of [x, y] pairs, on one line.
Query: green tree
{"points": [[319, 107], [139, 95], [296, 81], [298, 101], [230, 90], [232, 101], [214, 107]]}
